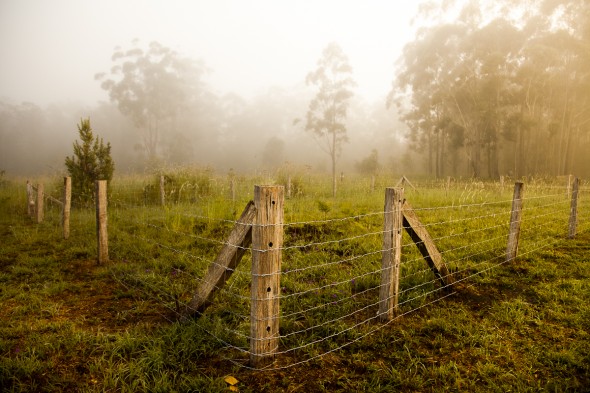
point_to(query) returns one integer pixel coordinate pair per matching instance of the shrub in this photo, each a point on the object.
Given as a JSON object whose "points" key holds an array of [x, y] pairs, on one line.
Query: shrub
{"points": [[91, 161]]}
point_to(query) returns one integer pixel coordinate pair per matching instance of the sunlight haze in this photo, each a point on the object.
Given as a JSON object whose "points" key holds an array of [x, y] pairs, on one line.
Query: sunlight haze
{"points": [[51, 50]]}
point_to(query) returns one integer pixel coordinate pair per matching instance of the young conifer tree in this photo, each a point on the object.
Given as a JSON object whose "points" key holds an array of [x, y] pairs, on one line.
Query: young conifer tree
{"points": [[91, 161]]}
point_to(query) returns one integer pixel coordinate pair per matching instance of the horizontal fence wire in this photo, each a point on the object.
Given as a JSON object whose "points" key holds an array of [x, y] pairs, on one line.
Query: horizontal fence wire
{"points": [[331, 270]]}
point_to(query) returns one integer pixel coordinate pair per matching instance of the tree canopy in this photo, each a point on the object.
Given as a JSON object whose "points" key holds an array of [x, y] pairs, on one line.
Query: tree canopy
{"points": [[327, 111], [154, 87], [503, 89]]}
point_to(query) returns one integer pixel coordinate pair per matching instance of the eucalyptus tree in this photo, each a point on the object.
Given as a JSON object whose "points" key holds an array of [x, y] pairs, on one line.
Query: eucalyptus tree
{"points": [[153, 87], [327, 111], [423, 92]]}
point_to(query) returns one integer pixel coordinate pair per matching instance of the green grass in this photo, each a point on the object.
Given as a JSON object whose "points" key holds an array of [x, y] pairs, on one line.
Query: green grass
{"points": [[69, 324]]}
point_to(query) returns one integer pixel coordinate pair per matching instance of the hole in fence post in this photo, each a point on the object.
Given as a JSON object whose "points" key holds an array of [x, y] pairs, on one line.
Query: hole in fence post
{"points": [[67, 203], [391, 254], [574, 210], [515, 219], [101, 221], [267, 239]]}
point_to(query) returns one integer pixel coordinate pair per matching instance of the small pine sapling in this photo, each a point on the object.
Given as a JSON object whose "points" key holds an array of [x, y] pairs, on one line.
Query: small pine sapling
{"points": [[91, 161]]}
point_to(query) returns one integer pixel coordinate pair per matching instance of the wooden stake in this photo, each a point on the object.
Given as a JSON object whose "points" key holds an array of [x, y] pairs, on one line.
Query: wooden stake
{"points": [[67, 203], [162, 191], [574, 209], [39, 205], [267, 241], [30, 200], [426, 245], [101, 221], [226, 262], [515, 219], [391, 254], [232, 189]]}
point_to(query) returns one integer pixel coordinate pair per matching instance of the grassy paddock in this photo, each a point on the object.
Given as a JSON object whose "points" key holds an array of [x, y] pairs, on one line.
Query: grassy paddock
{"points": [[69, 324]]}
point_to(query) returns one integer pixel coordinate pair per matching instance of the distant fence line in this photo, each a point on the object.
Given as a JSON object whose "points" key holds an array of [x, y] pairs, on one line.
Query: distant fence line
{"points": [[261, 230]]}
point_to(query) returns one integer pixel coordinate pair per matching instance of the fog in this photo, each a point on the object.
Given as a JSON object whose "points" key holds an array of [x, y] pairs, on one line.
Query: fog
{"points": [[461, 88], [256, 53]]}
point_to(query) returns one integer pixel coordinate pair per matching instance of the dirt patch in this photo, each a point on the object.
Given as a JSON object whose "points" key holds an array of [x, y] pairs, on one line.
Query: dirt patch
{"points": [[95, 300]]}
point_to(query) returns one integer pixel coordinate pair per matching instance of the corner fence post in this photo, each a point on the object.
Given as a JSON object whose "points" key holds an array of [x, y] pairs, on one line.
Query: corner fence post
{"points": [[515, 220], [67, 203], [391, 254], [574, 210], [267, 241], [39, 206], [101, 221]]}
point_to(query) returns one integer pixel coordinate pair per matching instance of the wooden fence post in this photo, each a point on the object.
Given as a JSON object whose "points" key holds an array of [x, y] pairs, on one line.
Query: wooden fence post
{"points": [[162, 191], [67, 203], [515, 219], [391, 254], [289, 186], [101, 221], [574, 209], [232, 189], [30, 200], [39, 205], [267, 241]]}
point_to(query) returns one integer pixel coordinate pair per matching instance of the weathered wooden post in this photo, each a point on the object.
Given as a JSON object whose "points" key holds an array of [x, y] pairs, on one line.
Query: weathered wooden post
{"points": [[289, 186], [267, 241], [574, 209], [30, 200], [569, 186], [101, 221], [67, 203], [515, 219], [391, 254], [232, 189], [162, 191], [39, 205]]}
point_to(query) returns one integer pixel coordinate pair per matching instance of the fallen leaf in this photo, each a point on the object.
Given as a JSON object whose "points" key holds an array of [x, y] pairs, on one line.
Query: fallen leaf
{"points": [[230, 380]]}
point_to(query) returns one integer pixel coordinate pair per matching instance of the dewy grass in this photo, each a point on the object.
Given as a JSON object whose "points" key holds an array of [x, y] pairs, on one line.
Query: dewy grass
{"points": [[71, 325]]}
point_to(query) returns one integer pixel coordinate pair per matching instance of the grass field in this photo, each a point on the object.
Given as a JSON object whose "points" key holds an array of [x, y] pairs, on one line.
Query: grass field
{"points": [[68, 324]]}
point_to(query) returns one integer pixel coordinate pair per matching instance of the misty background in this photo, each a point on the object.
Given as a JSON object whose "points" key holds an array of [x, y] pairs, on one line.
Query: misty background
{"points": [[459, 88]]}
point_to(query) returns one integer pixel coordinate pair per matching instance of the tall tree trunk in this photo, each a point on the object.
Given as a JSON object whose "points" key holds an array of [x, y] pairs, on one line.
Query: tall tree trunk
{"points": [[430, 147], [442, 153], [437, 153], [334, 164]]}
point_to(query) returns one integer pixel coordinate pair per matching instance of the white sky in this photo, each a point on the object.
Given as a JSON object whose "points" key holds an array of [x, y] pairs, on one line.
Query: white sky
{"points": [[51, 49]]}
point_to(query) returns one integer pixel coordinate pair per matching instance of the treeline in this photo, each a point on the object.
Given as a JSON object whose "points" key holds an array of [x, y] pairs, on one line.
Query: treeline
{"points": [[229, 132], [499, 89]]}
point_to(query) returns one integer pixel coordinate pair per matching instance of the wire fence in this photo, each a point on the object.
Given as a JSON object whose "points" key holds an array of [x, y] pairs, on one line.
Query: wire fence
{"points": [[331, 272]]}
